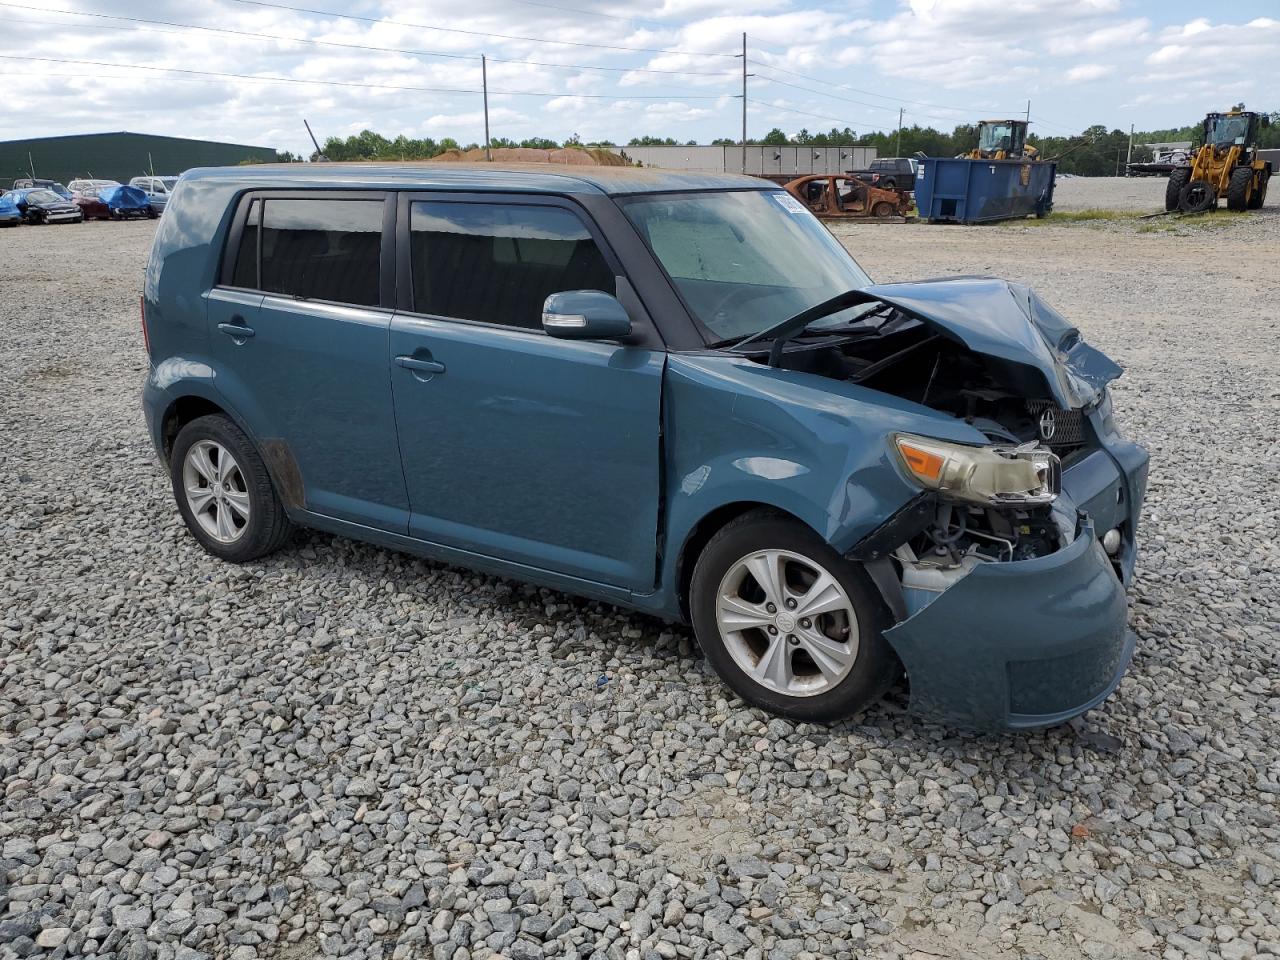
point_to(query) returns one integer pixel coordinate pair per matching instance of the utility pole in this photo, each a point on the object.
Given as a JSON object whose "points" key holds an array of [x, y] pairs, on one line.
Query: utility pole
{"points": [[1128, 159], [898, 150], [314, 142], [31, 164], [484, 86], [744, 102], [1028, 110]]}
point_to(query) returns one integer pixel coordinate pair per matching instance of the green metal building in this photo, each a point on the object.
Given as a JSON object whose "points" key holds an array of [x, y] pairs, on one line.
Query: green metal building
{"points": [[118, 156]]}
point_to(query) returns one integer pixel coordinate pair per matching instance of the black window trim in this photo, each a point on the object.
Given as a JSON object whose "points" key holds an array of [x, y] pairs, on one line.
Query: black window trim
{"points": [[386, 257], [404, 254]]}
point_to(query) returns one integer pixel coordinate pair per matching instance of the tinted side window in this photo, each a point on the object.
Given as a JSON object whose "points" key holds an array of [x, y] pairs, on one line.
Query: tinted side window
{"points": [[322, 249], [245, 273], [494, 263]]}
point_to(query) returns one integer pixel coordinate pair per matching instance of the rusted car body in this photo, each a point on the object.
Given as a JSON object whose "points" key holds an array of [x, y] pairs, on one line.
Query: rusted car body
{"points": [[840, 197]]}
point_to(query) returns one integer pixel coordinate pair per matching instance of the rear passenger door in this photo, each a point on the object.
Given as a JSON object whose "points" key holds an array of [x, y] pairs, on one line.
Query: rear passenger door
{"points": [[299, 328], [517, 445]]}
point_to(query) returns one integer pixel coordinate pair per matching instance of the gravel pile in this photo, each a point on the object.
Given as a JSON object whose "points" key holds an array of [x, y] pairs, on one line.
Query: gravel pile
{"points": [[348, 752]]}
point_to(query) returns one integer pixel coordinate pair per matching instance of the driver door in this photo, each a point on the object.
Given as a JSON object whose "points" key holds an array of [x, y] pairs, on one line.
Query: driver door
{"points": [[538, 451]]}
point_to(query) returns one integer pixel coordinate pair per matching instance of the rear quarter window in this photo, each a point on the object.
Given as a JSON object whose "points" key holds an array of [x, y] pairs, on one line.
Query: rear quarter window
{"points": [[321, 249], [316, 249]]}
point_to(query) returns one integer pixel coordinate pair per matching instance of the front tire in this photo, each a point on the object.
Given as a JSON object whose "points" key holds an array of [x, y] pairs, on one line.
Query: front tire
{"points": [[1179, 177], [789, 624], [1198, 196], [224, 492], [1238, 188]]}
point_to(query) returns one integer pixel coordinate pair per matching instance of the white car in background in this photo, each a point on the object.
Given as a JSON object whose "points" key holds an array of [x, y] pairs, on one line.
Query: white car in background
{"points": [[157, 190], [90, 187]]}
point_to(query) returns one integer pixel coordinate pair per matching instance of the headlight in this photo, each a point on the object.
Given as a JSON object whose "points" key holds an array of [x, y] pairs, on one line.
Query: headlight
{"points": [[1002, 476]]}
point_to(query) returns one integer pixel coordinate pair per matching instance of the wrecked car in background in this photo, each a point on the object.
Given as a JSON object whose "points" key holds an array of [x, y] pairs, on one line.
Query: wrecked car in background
{"points": [[127, 203], [39, 205], [673, 392], [843, 197]]}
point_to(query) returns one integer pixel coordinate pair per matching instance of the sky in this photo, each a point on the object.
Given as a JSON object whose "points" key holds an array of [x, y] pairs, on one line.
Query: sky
{"points": [[622, 68]]}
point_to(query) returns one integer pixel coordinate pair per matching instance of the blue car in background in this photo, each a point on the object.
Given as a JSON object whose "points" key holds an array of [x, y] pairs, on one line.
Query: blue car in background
{"points": [[10, 215], [127, 203], [675, 392]]}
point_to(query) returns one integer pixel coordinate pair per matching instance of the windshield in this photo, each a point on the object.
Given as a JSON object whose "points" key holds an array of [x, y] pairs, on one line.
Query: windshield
{"points": [[1229, 130], [997, 136], [43, 196], [746, 260]]}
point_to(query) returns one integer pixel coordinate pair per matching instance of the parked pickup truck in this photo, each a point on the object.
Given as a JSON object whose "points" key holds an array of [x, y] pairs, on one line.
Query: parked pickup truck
{"points": [[889, 173]]}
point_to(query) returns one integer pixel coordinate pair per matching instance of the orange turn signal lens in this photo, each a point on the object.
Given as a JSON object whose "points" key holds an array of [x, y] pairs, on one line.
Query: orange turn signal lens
{"points": [[925, 464]]}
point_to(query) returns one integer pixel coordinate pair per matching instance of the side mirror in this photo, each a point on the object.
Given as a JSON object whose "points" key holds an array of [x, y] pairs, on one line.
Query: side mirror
{"points": [[585, 315]]}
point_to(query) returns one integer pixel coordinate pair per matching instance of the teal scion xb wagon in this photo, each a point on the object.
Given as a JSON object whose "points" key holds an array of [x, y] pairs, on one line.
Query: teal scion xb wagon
{"points": [[673, 392]]}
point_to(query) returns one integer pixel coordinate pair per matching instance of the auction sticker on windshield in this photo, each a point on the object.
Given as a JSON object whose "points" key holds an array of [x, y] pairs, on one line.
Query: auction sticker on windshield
{"points": [[788, 202]]}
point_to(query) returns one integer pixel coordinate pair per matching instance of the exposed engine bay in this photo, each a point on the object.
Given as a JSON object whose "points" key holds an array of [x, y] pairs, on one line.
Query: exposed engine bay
{"points": [[897, 354], [962, 537], [904, 357]]}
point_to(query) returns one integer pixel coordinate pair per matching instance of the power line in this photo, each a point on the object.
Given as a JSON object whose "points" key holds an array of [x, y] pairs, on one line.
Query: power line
{"points": [[322, 43], [477, 33], [862, 103], [869, 93], [819, 116], [351, 83], [595, 13]]}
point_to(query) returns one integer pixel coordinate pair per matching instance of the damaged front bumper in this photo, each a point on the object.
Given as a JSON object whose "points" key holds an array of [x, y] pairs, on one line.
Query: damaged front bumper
{"points": [[1032, 643]]}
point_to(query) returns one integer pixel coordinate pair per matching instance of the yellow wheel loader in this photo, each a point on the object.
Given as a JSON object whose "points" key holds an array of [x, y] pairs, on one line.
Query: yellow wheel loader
{"points": [[1227, 164], [1002, 140]]}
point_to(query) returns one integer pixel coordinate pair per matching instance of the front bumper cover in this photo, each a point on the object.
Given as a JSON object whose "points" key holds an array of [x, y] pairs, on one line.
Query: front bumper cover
{"points": [[1032, 643], [1024, 644]]}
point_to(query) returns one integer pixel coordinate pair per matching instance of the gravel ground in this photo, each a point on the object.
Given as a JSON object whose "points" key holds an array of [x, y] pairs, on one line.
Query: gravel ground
{"points": [[1144, 194], [348, 752]]}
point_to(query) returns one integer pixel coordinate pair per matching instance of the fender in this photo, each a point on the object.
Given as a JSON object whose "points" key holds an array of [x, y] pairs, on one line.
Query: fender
{"points": [[738, 431]]}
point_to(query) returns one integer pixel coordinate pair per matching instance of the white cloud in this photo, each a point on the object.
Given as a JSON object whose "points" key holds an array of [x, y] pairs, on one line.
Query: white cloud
{"points": [[946, 61], [1127, 34], [1089, 71]]}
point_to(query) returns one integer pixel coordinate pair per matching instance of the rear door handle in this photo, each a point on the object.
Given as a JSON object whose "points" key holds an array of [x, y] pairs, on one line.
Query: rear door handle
{"points": [[236, 331], [423, 366]]}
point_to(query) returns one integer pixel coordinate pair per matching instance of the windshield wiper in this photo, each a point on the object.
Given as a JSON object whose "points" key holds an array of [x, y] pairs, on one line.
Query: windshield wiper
{"points": [[783, 331], [857, 325]]}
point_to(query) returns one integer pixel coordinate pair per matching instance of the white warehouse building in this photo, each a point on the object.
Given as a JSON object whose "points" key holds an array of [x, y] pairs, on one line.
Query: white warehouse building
{"points": [[754, 159]]}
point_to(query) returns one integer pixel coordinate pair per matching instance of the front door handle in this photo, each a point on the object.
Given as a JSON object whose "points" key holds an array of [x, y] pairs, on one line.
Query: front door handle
{"points": [[236, 331], [420, 365]]}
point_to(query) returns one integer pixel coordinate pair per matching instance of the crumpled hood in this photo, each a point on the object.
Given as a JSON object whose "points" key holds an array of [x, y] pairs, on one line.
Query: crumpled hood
{"points": [[1009, 321]]}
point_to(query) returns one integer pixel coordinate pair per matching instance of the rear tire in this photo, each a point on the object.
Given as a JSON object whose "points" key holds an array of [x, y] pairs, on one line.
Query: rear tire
{"points": [[1197, 197], [1238, 188], [1259, 196], [1179, 177], [224, 492], [826, 666]]}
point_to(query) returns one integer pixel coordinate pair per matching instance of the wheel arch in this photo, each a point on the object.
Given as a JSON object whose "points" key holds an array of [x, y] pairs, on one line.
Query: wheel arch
{"points": [[281, 465], [181, 411], [701, 532]]}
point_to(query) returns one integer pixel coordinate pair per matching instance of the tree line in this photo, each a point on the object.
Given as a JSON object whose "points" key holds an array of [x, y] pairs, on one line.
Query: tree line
{"points": [[1095, 151]]}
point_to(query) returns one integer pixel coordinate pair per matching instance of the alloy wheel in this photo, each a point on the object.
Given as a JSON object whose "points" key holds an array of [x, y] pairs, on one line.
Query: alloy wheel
{"points": [[787, 623], [216, 492]]}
